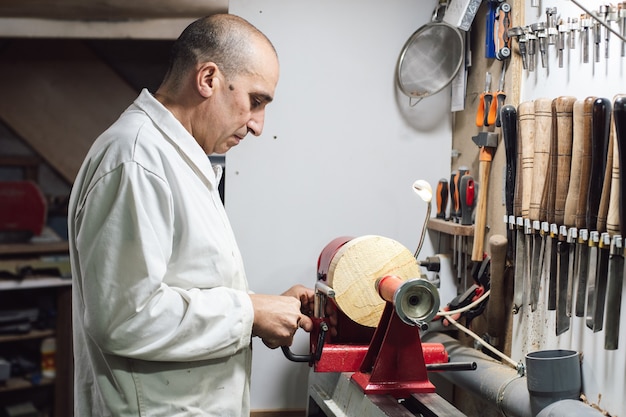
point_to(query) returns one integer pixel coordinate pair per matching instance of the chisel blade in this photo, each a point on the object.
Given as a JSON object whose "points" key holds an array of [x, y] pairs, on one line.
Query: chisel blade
{"points": [[520, 263], [572, 235], [552, 270], [562, 318], [592, 267], [582, 265], [614, 294], [539, 248], [602, 273]]}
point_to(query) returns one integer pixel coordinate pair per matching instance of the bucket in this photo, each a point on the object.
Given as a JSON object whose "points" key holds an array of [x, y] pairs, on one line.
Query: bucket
{"points": [[552, 375]]}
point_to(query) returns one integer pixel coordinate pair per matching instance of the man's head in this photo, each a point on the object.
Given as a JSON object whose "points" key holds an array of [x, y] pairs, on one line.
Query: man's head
{"points": [[222, 73]]}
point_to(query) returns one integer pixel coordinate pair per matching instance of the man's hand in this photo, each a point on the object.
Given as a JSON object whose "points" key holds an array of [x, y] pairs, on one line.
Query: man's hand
{"points": [[305, 295], [278, 317]]}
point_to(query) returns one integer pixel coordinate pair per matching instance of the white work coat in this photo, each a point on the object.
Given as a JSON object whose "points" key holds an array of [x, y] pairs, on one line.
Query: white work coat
{"points": [[161, 313]]}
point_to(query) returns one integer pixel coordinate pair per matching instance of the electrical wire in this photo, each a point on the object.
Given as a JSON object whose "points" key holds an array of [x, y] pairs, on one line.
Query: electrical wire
{"points": [[448, 315]]}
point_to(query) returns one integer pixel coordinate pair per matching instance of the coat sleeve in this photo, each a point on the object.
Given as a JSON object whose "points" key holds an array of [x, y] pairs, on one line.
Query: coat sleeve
{"points": [[124, 241]]}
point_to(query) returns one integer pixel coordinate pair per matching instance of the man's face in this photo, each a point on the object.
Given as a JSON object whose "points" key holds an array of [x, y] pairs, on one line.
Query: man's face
{"points": [[239, 107]]}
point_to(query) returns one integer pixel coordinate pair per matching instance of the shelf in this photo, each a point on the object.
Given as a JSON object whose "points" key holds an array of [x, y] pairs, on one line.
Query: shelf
{"points": [[34, 334], [33, 283], [34, 248], [14, 384], [450, 227]]}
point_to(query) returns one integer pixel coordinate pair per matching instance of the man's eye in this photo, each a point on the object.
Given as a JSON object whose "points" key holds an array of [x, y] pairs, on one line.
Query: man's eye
{"points": [[255, 102]]}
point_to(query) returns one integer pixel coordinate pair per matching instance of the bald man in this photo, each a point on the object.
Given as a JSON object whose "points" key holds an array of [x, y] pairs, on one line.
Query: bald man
{"points": [[162, 313]]}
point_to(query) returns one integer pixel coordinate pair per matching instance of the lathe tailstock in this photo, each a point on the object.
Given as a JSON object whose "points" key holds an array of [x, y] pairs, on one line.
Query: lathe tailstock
{"points": [[371, 301]]}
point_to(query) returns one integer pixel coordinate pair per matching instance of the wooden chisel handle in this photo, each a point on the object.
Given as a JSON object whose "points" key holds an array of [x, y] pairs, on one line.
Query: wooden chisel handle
{"points": [[603, 208], [612, 218], [564, 108], [600, 121], [585, 164], [541, 154], [619, 116], [526, 112], [508, 116], [517, 197], [571, 202], [546, 208], [496, 307], [484, 169]]}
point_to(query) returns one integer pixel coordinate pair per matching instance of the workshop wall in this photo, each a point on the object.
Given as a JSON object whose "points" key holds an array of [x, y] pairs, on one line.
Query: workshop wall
{"points": [[340, 151]]}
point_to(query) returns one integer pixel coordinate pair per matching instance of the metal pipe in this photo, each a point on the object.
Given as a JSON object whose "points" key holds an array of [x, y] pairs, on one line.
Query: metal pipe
{"points": [[499, 384]]}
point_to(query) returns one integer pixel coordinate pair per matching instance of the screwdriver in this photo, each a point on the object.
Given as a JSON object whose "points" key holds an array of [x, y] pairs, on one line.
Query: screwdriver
{"points": [[442, 198], [466, 196], [484, 103], [453, 200]]}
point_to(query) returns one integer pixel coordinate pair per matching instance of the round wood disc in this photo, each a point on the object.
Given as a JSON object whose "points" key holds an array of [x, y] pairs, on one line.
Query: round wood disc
{"points": [[357, 265]]}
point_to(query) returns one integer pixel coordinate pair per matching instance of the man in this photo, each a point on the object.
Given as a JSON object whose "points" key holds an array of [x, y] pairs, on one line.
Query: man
{"points": [[162, 314]]}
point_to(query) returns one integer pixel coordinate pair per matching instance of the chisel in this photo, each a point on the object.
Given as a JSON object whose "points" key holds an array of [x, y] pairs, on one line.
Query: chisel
{"points": [[520, 247], [541, 159], [619, 117], [612, 218], [508, 116], [526, 117], [548, 256], [563, 133], [592, 268], [614, 293], [583, 140], [562, 316], [600, 128]]}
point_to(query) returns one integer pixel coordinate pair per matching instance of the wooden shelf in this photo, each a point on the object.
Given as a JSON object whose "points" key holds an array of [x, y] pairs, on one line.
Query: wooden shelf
{"points": [[14, 384], [450, 227], [34, 248], [33, 283], [34, 334]]}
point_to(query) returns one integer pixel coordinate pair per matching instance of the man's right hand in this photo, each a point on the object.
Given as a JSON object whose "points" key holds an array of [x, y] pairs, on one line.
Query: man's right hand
{"points": [[277, 318]]}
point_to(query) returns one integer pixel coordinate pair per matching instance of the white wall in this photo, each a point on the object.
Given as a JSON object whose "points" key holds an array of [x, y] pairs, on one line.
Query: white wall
{"points": [[340, 151], [604, 372]]}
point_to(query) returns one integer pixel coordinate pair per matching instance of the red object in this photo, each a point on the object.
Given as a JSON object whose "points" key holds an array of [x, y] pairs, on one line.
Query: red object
{"points": [[22, 207], [389, 359], [394, 363]]}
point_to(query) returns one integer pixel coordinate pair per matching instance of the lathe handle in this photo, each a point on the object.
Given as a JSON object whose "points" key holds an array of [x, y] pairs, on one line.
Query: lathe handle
{"points": [[312, 357]]}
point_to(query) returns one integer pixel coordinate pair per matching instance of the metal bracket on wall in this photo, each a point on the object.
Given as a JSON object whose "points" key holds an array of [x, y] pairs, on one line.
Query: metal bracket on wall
{"points": [[600, 21]]}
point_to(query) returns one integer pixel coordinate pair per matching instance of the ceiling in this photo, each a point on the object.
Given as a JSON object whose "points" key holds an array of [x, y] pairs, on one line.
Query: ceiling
{"points": [[110, 10]]}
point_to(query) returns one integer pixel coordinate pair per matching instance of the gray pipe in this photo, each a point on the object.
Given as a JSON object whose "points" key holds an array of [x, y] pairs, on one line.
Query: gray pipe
{"points": [[500, 384]]}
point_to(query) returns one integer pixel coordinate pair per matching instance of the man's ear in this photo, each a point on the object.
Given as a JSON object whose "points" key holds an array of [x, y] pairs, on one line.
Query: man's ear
{"points": [[207, 78]]}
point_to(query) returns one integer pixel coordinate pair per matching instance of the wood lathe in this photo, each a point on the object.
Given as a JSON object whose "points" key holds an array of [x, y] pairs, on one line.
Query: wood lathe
{"points": [[366, 355]]}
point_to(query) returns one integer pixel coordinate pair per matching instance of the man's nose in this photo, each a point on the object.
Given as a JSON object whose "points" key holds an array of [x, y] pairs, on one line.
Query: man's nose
{"points": [[255, 124]]}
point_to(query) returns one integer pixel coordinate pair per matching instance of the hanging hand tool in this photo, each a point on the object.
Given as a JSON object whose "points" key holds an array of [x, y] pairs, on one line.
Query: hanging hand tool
{"points": [[490, 45], [495, 307], [484, 103], [501, 31], [539, 29], [592, 268], [531, 39], [603, 13], [454, 202], [612, 220], [541, 157], [572, 24], [603, 207], [526, 111], [563, 29], [582, 135], [467, 198], [562, 315], [547, 212], [461, 248], [551, 28], [602, 271], [601, 118], [487, 142], [564, 112], [553, 265], [619, 119], [500, 97], [597, 39], [614, 293], [518, 33], [585, 24], [573, 191], [509, 137], [442, 198]]}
